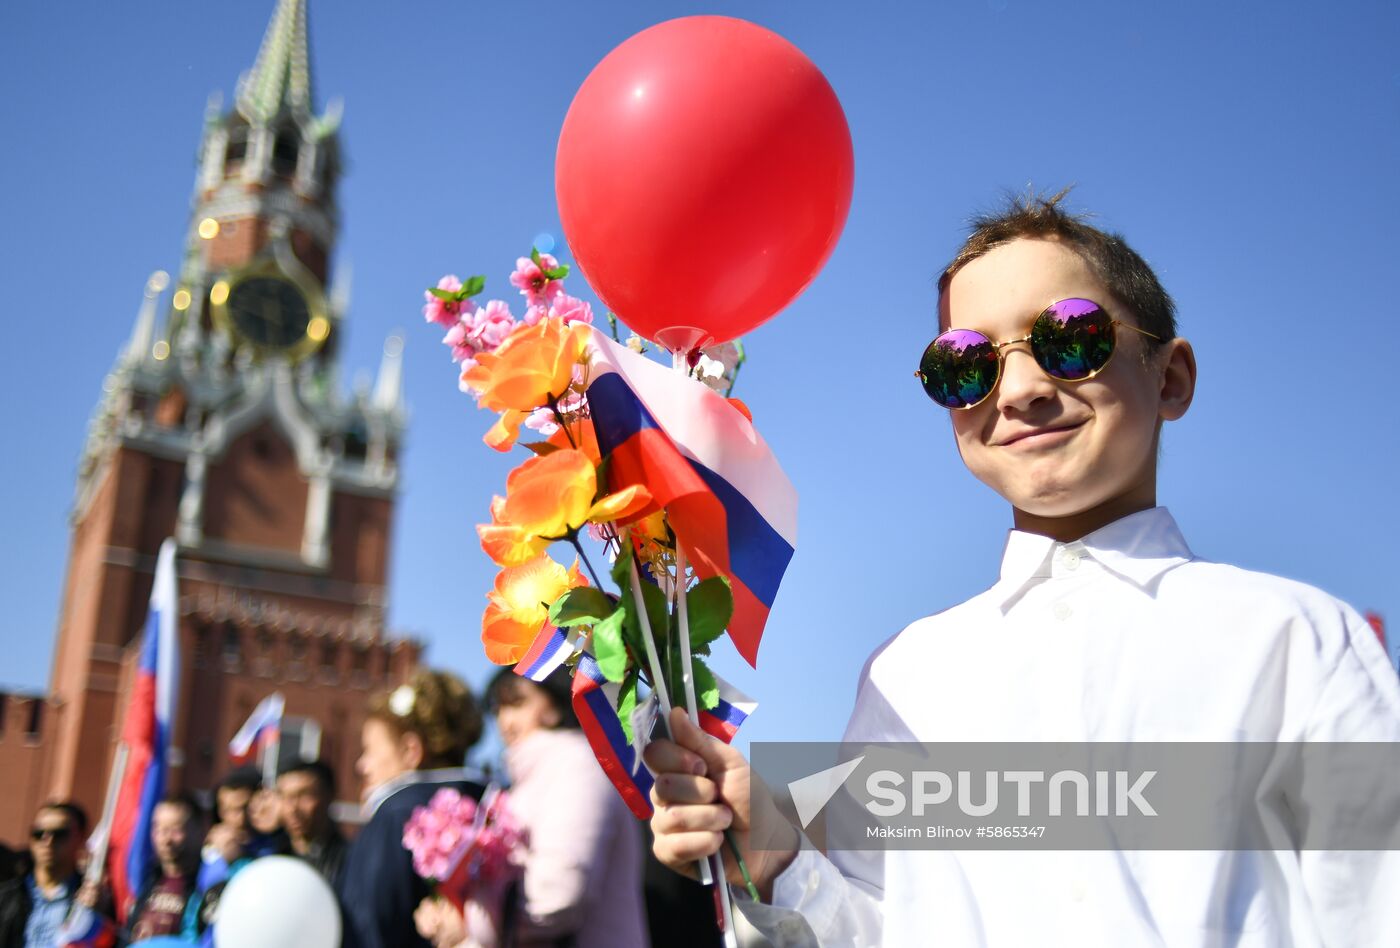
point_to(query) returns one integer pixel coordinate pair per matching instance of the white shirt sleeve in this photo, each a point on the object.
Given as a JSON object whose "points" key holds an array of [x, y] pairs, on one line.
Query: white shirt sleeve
{"points": [[1351, 894]]}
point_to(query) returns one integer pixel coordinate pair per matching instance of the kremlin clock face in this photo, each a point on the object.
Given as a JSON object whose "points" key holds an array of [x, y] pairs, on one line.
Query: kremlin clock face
{"points": [[269, 312]]}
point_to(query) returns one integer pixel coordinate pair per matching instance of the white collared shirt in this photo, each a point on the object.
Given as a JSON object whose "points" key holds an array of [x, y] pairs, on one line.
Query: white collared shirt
{"points": [[1121, 636]]}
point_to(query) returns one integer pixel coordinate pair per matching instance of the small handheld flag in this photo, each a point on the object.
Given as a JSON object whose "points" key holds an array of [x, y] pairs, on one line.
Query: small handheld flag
{"points": [[262, 729], [725, 495], [595, 706]]}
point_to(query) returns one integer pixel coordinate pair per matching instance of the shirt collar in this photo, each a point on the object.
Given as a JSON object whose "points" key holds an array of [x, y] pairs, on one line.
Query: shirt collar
{"points": [[65, 890], [1139, 547], [376, 797]]}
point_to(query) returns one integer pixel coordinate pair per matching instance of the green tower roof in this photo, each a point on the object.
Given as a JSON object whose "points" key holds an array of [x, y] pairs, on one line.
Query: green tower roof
{"points": [[281, 76]]}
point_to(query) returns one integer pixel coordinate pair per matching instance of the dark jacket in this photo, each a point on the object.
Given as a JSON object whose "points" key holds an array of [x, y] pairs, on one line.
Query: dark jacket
{"points": [[15, 906], [379, 890], [327, 856]]}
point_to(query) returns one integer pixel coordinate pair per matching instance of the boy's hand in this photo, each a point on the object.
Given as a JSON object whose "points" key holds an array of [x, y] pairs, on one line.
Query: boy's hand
{"points": [[227, 840], [702, 788]]}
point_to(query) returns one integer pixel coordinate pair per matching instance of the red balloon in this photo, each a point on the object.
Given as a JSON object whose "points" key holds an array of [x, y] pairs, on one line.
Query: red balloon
{"points": [[703, 174]]}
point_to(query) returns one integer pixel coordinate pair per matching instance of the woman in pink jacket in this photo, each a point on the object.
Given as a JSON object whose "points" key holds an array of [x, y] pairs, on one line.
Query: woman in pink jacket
{"points": [[582, 883]]}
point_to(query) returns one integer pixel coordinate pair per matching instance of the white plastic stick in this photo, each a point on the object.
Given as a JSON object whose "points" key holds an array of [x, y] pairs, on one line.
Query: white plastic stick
{"points": [[658, 679], [687, 668], [712, 868]]}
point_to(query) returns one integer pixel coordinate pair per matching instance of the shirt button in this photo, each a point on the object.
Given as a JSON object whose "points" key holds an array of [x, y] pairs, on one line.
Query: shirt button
{"points": [[814, 881], [1062, 611], [1078, 890], [1071, 560]]}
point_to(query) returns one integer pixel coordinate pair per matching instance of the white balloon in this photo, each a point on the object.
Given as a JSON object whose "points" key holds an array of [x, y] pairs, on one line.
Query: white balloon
{"points": [[277, 902]]}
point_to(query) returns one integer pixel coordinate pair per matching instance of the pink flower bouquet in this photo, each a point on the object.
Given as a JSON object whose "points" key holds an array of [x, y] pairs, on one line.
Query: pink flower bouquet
{"points": [[462, 846]]}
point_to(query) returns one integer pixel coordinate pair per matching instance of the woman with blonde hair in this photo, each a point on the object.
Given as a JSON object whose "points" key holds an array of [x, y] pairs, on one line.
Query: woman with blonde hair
{"points": [[414, 742]]}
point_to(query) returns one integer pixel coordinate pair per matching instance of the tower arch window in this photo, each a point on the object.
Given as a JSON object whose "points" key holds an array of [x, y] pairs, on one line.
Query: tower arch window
{"points": [[232, 649], [284, 153], [235, 150]]}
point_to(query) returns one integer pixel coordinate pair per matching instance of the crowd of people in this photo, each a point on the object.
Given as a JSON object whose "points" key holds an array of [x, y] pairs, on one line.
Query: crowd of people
{"points": [[584, 877]]}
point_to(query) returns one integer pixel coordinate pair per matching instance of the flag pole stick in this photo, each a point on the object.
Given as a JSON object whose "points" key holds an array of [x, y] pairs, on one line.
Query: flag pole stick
{"points": [[707, 875], [272, 753], [98, 860], [711, 868]]}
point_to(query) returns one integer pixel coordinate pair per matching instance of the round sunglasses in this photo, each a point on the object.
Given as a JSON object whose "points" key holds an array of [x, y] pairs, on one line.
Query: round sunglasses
{"points": [[1071, 340]]}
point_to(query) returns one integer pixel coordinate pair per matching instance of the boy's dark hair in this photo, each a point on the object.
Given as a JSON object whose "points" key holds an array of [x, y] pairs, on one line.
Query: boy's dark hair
{"points": [[244, 778], [1118, 266], [319, 769], [77, 816], [557, 686], [187, 800]]}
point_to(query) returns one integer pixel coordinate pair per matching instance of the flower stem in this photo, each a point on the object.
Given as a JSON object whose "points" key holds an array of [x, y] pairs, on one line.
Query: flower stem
{"points": [[559, 417], [573, 539], [743, 867]]}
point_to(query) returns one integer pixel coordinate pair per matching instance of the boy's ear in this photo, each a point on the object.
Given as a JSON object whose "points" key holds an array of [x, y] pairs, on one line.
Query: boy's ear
{"points": [[1178, 379]]}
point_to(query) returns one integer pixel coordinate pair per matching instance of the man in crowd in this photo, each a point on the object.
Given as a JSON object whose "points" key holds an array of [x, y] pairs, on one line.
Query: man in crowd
{"points": [[306, 789], [165, 896], [232, 842], [33, 906]]}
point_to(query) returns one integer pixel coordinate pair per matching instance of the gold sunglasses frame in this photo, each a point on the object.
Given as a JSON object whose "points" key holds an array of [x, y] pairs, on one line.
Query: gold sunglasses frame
{"points": [[1001, 359]]}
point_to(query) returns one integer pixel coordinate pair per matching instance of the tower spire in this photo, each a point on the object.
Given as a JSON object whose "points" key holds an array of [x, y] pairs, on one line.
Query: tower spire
{"points": [[281, 77], [388, 389], [138, 349]]}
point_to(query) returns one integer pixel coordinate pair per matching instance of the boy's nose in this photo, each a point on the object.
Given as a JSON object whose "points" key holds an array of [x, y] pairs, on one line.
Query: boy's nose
{"points": [[1023, 381]]}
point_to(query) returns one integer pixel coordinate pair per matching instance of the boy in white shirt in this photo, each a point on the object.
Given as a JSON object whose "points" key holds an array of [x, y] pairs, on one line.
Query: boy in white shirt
{"points": [[1059, 361]]}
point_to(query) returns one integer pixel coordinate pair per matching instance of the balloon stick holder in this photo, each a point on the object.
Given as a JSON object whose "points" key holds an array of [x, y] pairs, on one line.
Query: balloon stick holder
{"points": [[684, 343]]}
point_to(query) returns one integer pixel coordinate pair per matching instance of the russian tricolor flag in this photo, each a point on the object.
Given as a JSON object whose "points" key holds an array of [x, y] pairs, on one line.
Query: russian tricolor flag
{"points": [[724, 719], [550, 649], [262, 729], [595, 706], [84, 928], [725, 495], [146, 733]]}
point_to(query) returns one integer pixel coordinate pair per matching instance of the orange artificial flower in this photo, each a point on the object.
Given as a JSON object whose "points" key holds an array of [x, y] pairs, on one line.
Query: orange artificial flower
{"points": [[533, 366], [581, 430], [518, 608], [547, 498], [506, 429]]}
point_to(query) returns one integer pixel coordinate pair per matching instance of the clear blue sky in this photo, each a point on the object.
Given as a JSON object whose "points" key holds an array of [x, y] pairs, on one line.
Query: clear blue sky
{"points": [[1249, 151]]}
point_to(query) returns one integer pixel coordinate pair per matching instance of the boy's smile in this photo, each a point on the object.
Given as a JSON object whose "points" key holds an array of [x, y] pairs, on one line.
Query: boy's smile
{"points": [[1070, 457]]}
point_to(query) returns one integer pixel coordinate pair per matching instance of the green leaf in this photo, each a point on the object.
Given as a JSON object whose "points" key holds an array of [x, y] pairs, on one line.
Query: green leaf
{"points": [[473, 286], [558, 273], [706, 688], [535, 256], [627, 703], [709, 607], [583, 605], [540, 448], [622, 572], [608, 647], [445, 295]]}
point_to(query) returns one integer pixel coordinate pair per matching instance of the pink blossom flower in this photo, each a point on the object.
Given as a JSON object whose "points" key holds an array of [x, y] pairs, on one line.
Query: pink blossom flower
{"points": [[493, 323], [483, 330], [534, 285], [446, 312], [543, 421], [571, 309], [535, 313]]}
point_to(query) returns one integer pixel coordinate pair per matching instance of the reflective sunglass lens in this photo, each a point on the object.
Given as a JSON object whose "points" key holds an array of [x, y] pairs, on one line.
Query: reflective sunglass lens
{"points": [[1072, 339], [959, 368]]}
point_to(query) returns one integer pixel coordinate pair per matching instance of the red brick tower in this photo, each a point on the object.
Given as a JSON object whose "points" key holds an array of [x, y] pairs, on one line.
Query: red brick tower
{"points": [[223, 425]]}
